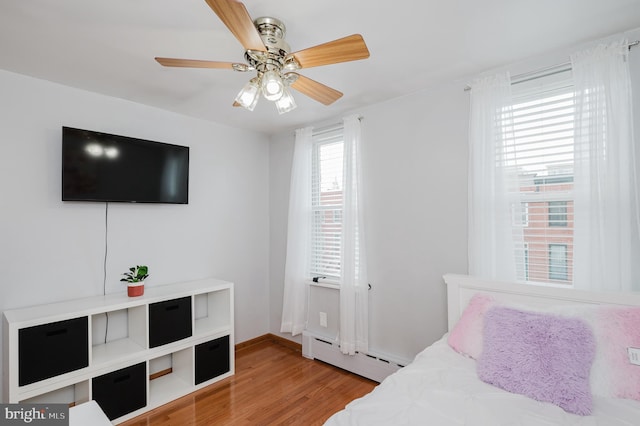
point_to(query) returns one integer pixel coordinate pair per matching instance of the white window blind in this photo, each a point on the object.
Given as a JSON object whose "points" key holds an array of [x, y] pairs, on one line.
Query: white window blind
{"points": [[327, 181], [541, 142]]}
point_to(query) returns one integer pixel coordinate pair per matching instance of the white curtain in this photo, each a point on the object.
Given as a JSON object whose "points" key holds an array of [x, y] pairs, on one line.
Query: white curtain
{"points": [[607, 246], [493, 183], [354, 305], [298, 236]]}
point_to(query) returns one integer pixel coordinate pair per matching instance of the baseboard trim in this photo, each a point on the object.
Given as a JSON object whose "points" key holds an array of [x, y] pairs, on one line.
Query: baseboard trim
{"points": [[269, 337], [285, 342], [368, 365]]}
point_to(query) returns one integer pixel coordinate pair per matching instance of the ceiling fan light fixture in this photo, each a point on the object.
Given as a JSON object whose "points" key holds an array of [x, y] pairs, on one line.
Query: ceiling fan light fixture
{"points": [[249, 95], [286, 103], [268, 53], [272, 86]]}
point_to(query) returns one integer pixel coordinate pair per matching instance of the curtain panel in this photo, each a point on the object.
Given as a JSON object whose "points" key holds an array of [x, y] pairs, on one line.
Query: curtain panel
{"points": [[354, 305], [298, 236], [607, 243], [493, 181]]}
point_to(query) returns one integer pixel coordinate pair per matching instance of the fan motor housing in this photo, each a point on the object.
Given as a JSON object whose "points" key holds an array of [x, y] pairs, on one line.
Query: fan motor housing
{"points": [[272, 32]]}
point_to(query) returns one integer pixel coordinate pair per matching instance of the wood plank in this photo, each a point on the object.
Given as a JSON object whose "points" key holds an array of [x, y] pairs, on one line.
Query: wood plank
{"points": [[315, 90], [236, 17], [350, 48], [273, 384]]}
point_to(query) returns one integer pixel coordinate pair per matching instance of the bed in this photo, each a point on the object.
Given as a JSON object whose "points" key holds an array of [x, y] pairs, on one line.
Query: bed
{"points": [[484, 371]]}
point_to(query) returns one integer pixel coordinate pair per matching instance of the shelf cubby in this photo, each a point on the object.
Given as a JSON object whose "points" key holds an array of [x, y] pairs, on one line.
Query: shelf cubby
{"points": [[71, 395], [212, 359], [170, 321], [213, 312], [122, 391], [118, 334], [177, 380]]}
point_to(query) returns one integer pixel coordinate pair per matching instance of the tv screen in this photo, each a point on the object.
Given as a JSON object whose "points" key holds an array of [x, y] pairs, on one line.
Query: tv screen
{"points": [[102, 167]]}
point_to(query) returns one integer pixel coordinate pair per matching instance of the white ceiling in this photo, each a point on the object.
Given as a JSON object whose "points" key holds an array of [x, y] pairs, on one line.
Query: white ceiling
{"points": [[108, 47]]}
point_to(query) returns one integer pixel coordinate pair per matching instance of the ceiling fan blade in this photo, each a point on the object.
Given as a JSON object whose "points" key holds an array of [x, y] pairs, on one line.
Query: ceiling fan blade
{"points": [[350, 48], [235, 16], [318, 91], [193, 63]]}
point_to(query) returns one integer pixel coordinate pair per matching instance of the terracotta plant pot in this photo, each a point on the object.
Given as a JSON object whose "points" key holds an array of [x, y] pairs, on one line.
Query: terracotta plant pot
{"points": [[135, 289]]}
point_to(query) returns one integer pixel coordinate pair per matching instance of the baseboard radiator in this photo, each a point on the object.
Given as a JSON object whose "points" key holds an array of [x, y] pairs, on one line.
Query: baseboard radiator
{"points": [[371, 366]]}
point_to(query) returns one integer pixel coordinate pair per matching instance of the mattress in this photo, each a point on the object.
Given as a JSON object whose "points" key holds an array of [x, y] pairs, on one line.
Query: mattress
{"points": [[440, 388]]}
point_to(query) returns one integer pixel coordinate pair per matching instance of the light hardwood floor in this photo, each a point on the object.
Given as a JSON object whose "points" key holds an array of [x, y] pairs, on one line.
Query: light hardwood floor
{"points": [[273, 385]]}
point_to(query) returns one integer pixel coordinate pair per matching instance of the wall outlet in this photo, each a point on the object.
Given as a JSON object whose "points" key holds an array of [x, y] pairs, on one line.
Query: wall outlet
{"points": [[323, 319], [634, 355]]}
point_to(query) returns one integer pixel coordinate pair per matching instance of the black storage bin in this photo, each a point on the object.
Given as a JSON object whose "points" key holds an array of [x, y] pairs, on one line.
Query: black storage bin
{"points": [[51, 349], [212, 359], [169, 321], [122, 391]]}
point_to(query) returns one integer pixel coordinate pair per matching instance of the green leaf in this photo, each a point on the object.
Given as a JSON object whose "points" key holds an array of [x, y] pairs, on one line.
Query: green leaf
{"points": [[136, 274]]}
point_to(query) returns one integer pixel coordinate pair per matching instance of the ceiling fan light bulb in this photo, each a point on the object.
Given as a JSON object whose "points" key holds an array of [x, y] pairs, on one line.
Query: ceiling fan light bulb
{"points": [[272, 86], [249, 95], [286, 103]]}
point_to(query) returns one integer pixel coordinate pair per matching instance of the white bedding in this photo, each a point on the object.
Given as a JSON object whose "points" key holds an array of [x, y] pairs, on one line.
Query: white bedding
{"points": [[441, 388]]}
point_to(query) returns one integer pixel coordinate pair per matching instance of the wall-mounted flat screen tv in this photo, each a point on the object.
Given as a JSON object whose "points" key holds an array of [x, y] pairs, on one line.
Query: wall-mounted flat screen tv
{"points": [[110, 168]]}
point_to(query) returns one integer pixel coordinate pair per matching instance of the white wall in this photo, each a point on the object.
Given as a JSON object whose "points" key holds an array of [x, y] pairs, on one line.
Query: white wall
{"points": [[415, 161], [52, 250], [415, 168]]}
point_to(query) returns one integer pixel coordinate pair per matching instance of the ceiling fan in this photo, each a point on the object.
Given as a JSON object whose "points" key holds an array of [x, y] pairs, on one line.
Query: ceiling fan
{"points": [[267, 53]]}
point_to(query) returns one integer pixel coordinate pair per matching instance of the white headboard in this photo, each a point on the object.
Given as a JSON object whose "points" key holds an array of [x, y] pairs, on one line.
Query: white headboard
{"points": [[460, 289]]}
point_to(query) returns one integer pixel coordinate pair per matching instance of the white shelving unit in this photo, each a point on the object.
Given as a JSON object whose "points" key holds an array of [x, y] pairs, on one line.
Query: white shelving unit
{"points": [[118, 338]]}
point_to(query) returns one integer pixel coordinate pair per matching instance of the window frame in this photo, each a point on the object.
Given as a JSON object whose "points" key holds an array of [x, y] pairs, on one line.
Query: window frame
{"points": [[324, 137]]}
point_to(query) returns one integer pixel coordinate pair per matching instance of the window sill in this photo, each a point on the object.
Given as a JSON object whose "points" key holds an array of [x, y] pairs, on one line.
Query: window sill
{"points": [[325, 284]]}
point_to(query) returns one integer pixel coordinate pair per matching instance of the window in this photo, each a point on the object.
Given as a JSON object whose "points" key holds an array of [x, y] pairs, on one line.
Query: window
{"points": [[558, 264], [326, 193], [541, 148], [558, 213], [521, 217]]}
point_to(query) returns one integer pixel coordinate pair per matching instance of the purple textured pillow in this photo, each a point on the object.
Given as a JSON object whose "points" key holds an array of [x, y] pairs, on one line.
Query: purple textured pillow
{"points": [[545, 357]]}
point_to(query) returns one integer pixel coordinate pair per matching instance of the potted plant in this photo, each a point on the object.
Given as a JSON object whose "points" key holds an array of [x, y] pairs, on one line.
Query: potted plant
{"points": [[135, 279]]}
